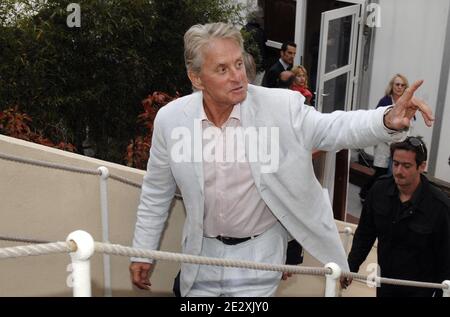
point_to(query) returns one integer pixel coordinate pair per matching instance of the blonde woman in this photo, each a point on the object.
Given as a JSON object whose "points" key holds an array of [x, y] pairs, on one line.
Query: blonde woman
{"points": [[395, 89], [381, 154], [301, 83]]}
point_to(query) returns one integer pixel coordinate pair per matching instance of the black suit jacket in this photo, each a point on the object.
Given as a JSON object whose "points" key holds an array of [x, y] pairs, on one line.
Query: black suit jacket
{"points": [[271, 76]]}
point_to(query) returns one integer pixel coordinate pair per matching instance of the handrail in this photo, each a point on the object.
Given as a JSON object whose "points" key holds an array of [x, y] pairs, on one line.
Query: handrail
{"points": [[73, 169], [81, 246]]}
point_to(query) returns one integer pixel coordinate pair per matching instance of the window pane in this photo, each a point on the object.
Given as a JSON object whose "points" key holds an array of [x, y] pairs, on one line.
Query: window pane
{"points": [[338, 43], [334, 94]]}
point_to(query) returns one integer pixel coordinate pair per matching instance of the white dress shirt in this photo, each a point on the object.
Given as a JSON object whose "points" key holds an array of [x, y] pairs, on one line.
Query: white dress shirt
{"points": [[233, 205]]}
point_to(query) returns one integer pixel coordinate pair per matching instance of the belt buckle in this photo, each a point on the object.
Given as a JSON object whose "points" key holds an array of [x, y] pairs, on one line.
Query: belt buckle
{"points": [[224, 240], [233, 241]]}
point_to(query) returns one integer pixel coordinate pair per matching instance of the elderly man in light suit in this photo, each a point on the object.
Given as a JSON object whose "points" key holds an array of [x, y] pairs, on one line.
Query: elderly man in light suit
{"points": [[245, 208]]}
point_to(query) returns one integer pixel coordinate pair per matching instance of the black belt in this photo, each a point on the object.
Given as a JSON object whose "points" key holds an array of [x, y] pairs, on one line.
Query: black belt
{"points": [[233, 241]]}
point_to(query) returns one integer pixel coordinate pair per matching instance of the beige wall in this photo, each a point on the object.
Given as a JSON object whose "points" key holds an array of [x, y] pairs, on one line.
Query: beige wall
{"points": [[48, 204]]}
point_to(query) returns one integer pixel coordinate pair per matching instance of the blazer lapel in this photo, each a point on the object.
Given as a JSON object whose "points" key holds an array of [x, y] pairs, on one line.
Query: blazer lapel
{"points": [[192, 120], [249, 120]]}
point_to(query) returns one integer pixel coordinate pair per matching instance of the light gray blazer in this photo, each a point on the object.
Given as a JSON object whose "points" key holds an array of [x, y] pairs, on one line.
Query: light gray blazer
{"points": [[292, 193]]}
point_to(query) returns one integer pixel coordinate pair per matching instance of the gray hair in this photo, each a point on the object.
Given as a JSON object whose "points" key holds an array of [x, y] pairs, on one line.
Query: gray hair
{"points": [[199, 35]]}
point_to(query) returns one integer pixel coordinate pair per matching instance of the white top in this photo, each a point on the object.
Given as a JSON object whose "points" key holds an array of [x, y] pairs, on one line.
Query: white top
{"points": [[233, 206]]}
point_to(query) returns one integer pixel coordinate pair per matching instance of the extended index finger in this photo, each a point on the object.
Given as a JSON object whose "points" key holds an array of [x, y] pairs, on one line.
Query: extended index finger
{"points": [[409, 92]]}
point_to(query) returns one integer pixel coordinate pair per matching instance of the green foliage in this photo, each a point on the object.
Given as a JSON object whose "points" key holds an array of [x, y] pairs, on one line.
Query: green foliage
{"points": [[96, 75], [251, 47]]}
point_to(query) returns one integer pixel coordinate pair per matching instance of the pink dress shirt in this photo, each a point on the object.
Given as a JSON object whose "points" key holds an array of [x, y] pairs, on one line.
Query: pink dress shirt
{"points": [[233, 206]]}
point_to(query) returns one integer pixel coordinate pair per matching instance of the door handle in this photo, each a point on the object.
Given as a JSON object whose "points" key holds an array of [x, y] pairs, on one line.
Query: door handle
{"points": [[325, 95]]}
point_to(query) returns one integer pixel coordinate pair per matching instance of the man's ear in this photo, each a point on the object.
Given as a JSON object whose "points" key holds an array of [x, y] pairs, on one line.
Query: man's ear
{"points": [[423, 166], [195, 79]]}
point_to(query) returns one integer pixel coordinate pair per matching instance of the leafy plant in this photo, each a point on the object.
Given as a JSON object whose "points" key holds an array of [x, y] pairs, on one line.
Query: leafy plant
{"points": [[17, 124], [95, 75], [137, 153]]}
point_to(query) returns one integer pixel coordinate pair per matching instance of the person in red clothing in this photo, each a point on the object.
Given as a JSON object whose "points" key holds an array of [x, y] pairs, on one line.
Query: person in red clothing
{"points": [[301, 83]]}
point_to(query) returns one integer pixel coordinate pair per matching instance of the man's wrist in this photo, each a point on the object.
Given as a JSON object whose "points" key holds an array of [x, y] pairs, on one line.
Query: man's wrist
{"points": [[386, 122], [388, 109]]}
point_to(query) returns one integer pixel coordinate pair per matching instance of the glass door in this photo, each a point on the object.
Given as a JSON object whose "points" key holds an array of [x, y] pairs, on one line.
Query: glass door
{"points": [[336, 79], [337, 58]]}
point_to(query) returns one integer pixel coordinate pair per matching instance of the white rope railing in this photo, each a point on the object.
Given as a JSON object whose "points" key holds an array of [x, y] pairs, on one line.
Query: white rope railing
{"points": [[194, 259], [48, 165], [391, 281], [73, 169], [21, 239], [81, 247], [37, 249], [125, 181]]}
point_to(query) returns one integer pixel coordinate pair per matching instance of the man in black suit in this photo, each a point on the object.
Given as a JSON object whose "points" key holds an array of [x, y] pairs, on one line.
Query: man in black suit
{"points": [[287, 54]]}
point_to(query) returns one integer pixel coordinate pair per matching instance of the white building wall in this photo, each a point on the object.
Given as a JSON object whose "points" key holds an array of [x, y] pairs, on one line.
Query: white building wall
{"points": [[442, 164], [411, 41]]}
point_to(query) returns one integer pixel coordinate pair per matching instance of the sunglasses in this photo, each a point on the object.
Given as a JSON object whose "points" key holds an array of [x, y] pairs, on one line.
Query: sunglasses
{"points": [[416, 143]]}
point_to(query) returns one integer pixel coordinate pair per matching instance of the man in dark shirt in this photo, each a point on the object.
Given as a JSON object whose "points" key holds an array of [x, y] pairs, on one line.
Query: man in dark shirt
{"points": [[411, 219], [285, 79], [287, 55]]}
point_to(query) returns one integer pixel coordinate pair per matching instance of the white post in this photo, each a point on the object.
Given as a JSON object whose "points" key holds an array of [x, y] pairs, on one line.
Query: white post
{"points": [[446, 292], [332, 279], [81, 266], [105, 229], [348, 233]]}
